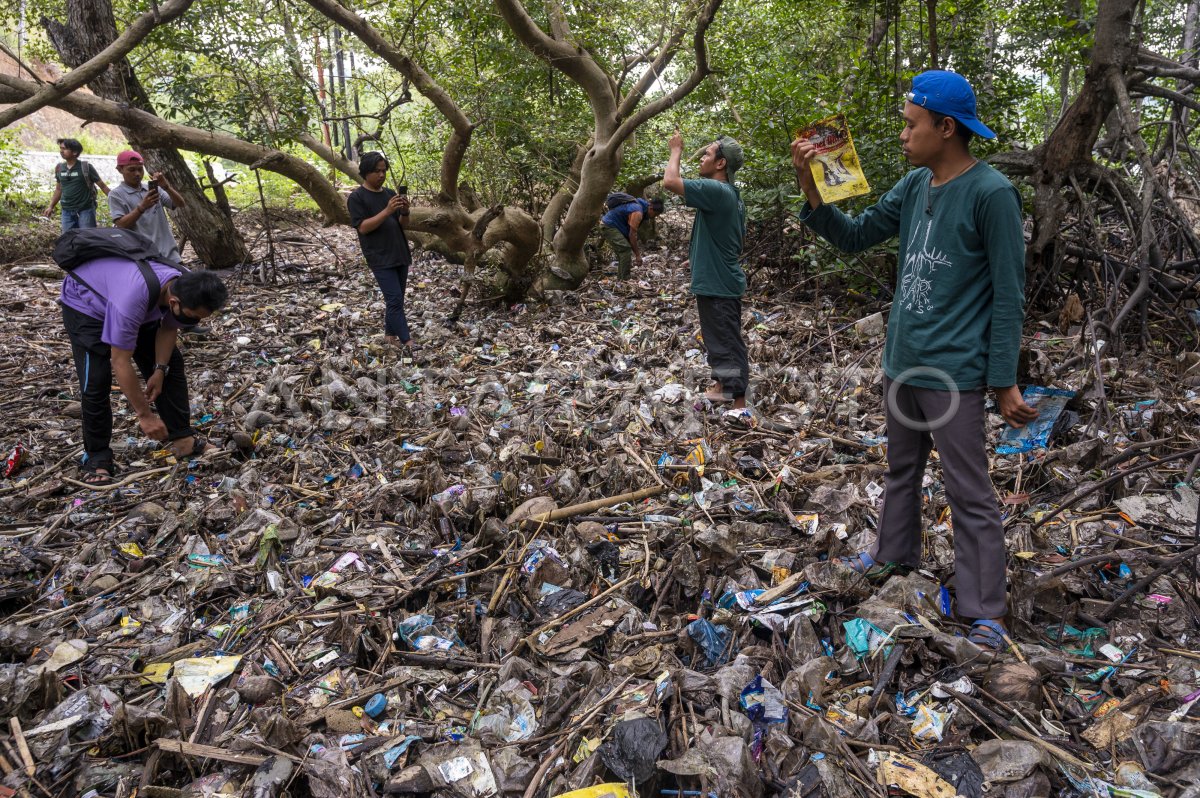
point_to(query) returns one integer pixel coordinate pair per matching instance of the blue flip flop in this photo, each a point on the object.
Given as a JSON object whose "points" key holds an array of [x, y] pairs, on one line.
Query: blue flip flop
{"points": [[988, 635], [865, 566]]}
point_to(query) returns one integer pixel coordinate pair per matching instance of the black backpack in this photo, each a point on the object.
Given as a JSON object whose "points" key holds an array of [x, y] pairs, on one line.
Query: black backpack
{"points": [[618, 198], [82, 244]]}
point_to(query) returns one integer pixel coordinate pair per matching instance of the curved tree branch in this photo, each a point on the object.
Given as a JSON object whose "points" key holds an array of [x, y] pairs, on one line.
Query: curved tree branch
{"points": [[1150, 90], [572, 60], [657, 65], [637, 185], [699, 72], [566, 192], [157, 132], [1015, 163], [91, 69], [1155, 61], [330, 156], [456, 147], [1178, 72]]}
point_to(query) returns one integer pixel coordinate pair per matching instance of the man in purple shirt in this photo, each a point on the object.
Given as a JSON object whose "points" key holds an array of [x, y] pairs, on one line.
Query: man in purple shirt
{"points": [[113, 325]]}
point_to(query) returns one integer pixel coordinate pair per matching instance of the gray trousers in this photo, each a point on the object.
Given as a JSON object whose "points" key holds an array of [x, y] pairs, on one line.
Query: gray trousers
{"points": [[721, 326], [979, 555]]}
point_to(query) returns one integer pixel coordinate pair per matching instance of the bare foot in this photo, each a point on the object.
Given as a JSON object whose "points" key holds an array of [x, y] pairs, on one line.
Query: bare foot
{"points": [[190, 446], [717, 394]]}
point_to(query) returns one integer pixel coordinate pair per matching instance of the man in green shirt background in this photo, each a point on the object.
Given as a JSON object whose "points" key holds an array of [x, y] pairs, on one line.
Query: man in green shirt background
{"points": [[954, 330], [75, 183], [718, 281]]}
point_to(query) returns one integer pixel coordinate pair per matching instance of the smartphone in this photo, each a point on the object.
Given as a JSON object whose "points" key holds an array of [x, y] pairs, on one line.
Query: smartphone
{"points": [[152, 185], [403, 192]]}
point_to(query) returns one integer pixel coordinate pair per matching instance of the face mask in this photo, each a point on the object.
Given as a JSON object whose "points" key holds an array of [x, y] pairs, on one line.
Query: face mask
{"points": [[185, 322]]}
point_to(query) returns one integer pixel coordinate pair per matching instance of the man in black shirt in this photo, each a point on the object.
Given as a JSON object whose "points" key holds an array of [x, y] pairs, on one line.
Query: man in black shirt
{"points": [[378, 214]]}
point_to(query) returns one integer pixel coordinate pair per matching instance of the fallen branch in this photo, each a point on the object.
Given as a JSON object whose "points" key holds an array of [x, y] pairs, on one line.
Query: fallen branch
{"points": [[208, 752], [1108, 481], [598, 504], [1140, 585]]}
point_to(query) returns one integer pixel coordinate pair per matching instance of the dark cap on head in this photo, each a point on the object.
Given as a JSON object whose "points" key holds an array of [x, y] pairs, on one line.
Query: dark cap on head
{"points": [[731, 151]]}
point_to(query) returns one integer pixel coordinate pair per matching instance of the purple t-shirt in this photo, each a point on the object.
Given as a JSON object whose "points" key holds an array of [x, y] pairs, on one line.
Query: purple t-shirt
{"points": [[126, 296]]}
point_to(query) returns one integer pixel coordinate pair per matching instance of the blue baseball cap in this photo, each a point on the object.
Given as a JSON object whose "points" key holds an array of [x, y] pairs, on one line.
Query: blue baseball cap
{"points": [[948, 93]]}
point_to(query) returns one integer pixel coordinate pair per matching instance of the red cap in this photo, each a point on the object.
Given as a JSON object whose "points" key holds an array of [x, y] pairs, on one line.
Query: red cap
{"points": [[127, 157]]}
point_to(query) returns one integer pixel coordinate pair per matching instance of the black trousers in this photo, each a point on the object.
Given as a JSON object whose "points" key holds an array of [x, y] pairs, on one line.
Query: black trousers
{"points": [[93, 364], [721, 326], [393, 283]]}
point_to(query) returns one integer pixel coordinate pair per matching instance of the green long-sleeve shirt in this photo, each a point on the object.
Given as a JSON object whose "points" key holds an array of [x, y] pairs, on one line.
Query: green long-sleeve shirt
{"points": [[960, 302]]}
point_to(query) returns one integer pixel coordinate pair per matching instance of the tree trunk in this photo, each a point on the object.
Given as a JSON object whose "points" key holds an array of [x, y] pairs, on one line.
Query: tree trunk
{"points": [[931, 9], [600, 167], [1070, 144], [90, 28], [615, 119], [1179, 115], [557, 205]]}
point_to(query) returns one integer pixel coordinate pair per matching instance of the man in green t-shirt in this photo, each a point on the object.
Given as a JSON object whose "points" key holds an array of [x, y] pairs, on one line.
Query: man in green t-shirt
{"points": [[718, 281], [954, 330], [75, 183]]}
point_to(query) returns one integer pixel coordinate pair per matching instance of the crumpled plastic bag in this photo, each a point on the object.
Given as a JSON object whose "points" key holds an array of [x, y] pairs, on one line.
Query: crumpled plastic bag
{"points": [[509, 715], [712, 639], [632, 748], [726, 763]]}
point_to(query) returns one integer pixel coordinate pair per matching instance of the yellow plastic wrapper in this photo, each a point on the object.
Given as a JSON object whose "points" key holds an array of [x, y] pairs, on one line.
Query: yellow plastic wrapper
{"points": [[911, 776], [156, 673], [197, 674], [835, 167], [610, 790], [587, 746], [132, 549]]}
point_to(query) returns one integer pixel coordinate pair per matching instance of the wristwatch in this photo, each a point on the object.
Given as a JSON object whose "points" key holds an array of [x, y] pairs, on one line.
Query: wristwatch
{"points": [[163, 367]]}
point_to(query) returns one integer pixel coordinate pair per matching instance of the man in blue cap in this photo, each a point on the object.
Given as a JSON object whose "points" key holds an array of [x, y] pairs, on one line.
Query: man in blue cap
{"points": [[953, 332]]}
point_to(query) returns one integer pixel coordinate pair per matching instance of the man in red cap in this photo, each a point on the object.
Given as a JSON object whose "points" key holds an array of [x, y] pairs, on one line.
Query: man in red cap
{"points": [[954, 330], [137, 207]]}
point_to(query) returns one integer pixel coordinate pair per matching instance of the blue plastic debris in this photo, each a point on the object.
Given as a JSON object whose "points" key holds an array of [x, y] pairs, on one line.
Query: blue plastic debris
{"points": [[1049, 402], [712, 639], [763, 702], [376, 705], [865, 638]]}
